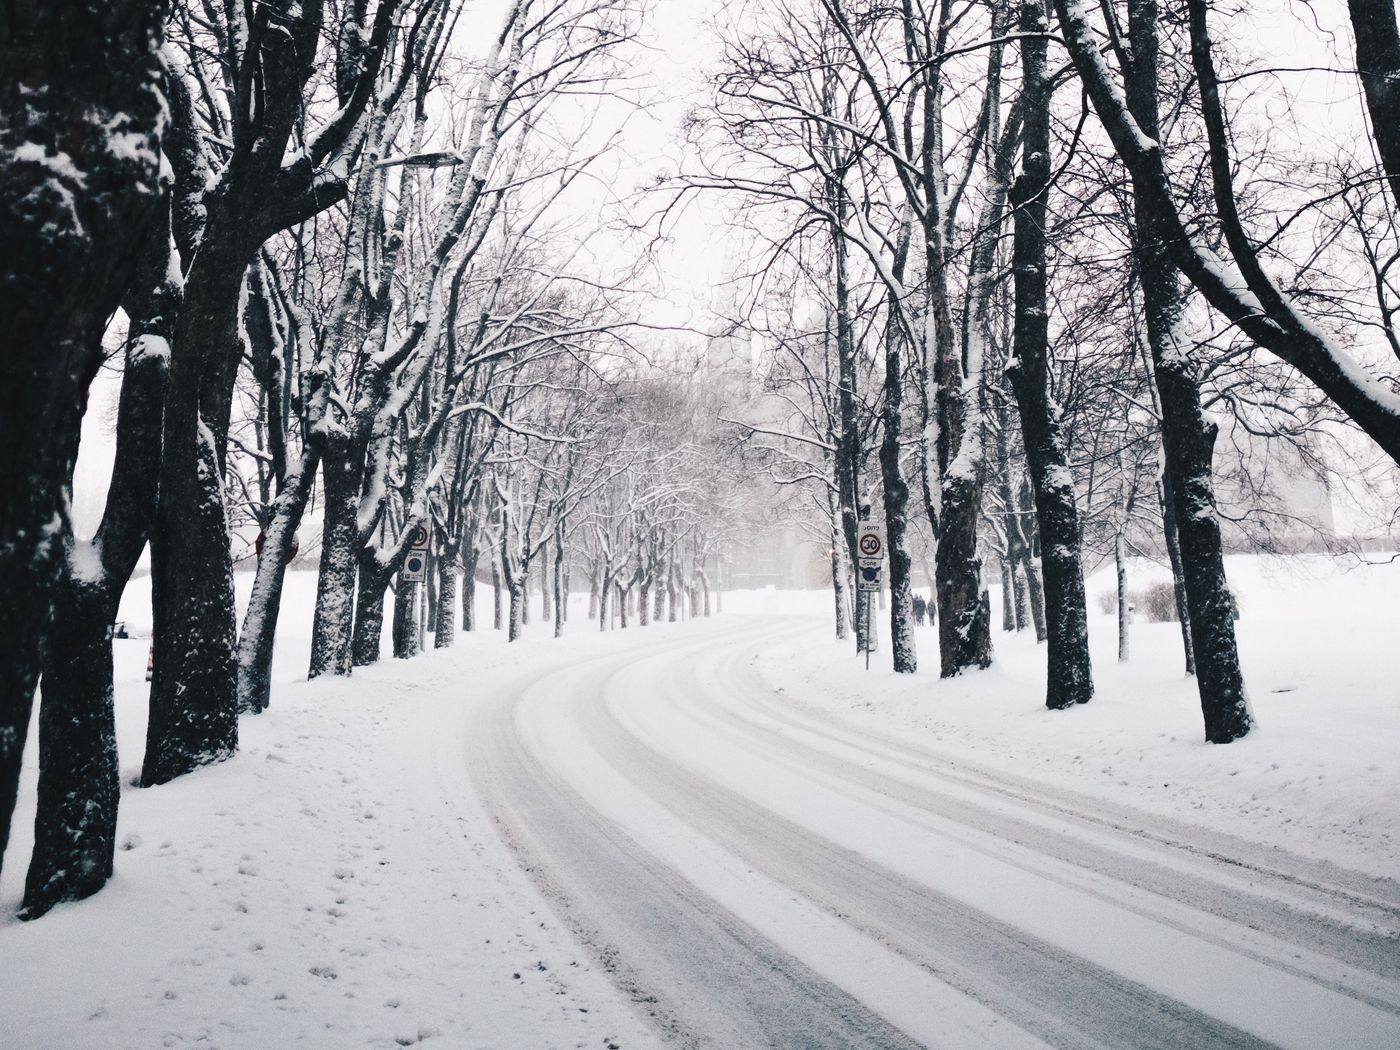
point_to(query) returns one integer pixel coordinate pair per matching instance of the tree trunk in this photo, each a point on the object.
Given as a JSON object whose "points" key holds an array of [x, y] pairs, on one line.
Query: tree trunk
{"points": [[1378, 61], [342, 475], [1035, 595], [445, 628], [194, 711], [429, 592], [1008, 595], [519, 598], [840, 579], [902, 645], [470, 558], [1188, 436], [560, 594], [194, 689], [546, 599], [1019, 589], [260, 621], [1120, 564], [405, 619], [1069, 676], [1173, 542], [371, 588], [498, 614], [75, 825], [75, 78]]}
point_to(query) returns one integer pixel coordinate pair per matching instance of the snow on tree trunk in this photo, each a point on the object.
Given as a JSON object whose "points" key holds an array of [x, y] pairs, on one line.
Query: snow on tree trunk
{"points": [[406, 610], [469, 559], [1188, 436], [518, 600], [79, 165], [497, 612], [1035, 594], [896, 491], [445, 629], [1173, 542], [194, 710], [1008, 596], [1069, 676], [342, 475], [264, 604], [546, 598], [76, 826], [75, 823], [1120, 564], [371, 589], [560, 592], [839, 577]]}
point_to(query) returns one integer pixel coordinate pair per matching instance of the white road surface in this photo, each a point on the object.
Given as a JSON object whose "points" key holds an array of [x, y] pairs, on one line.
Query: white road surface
{"points": [[753, 872]]}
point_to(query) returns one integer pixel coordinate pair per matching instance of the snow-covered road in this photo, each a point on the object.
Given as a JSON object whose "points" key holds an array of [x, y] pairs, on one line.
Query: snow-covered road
{"points": [[755, 872]]}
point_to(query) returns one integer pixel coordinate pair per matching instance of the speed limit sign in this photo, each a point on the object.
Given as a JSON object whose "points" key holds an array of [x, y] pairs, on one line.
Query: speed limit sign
{"points": [[870, 545], [420, 538]]}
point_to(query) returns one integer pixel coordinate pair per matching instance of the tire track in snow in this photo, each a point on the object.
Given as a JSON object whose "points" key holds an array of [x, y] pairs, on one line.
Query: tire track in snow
{"points": [[1345, 915], [672, 938], [703, 975]]}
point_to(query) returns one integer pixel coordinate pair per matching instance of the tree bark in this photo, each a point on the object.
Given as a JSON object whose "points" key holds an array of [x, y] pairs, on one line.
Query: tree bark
{"points": [[76, 822], [260, 622], [194, 696], [371, 589], [445, 628], [498, 620], [73, 211], [342, 477], [1188, 436], [405, 631], [1069, 675], [560, 595], [470, 557], [1378, 60], [1120, 565]]}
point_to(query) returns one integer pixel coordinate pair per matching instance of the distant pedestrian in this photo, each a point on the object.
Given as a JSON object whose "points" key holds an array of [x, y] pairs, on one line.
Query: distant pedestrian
{"points": [[920, 607]]}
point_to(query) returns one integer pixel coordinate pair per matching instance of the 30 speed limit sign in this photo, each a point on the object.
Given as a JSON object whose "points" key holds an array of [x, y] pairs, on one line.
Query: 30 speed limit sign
{"points": [[870, 545]]}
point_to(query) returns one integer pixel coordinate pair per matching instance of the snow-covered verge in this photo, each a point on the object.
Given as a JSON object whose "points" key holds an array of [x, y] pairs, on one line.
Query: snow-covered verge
{"points": [[1320, 644], [334, 885]]}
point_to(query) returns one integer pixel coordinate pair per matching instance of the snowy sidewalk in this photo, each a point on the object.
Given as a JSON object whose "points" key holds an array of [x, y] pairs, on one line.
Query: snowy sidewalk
{"points": [[334, 885]]}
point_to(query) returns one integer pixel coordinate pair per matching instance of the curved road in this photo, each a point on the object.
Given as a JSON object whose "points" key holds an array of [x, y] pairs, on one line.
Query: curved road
{"points": [[754, 873]]}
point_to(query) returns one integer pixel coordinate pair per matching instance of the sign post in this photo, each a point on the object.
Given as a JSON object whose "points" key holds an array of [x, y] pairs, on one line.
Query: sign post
{"points": [[870, 571]]}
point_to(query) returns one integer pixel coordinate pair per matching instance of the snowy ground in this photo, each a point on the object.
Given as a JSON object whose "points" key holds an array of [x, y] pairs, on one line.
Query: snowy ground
{"points": [[734, 829], [1321, 652]]}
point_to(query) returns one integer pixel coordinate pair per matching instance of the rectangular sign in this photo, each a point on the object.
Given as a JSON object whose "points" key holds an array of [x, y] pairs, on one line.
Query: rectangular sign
{"points": [[870, 577], [415, 567]]}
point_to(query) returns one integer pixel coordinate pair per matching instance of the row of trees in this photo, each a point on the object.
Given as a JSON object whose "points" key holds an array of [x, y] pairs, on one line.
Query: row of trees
{"points": [[1016, 264], [365, 279]]}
